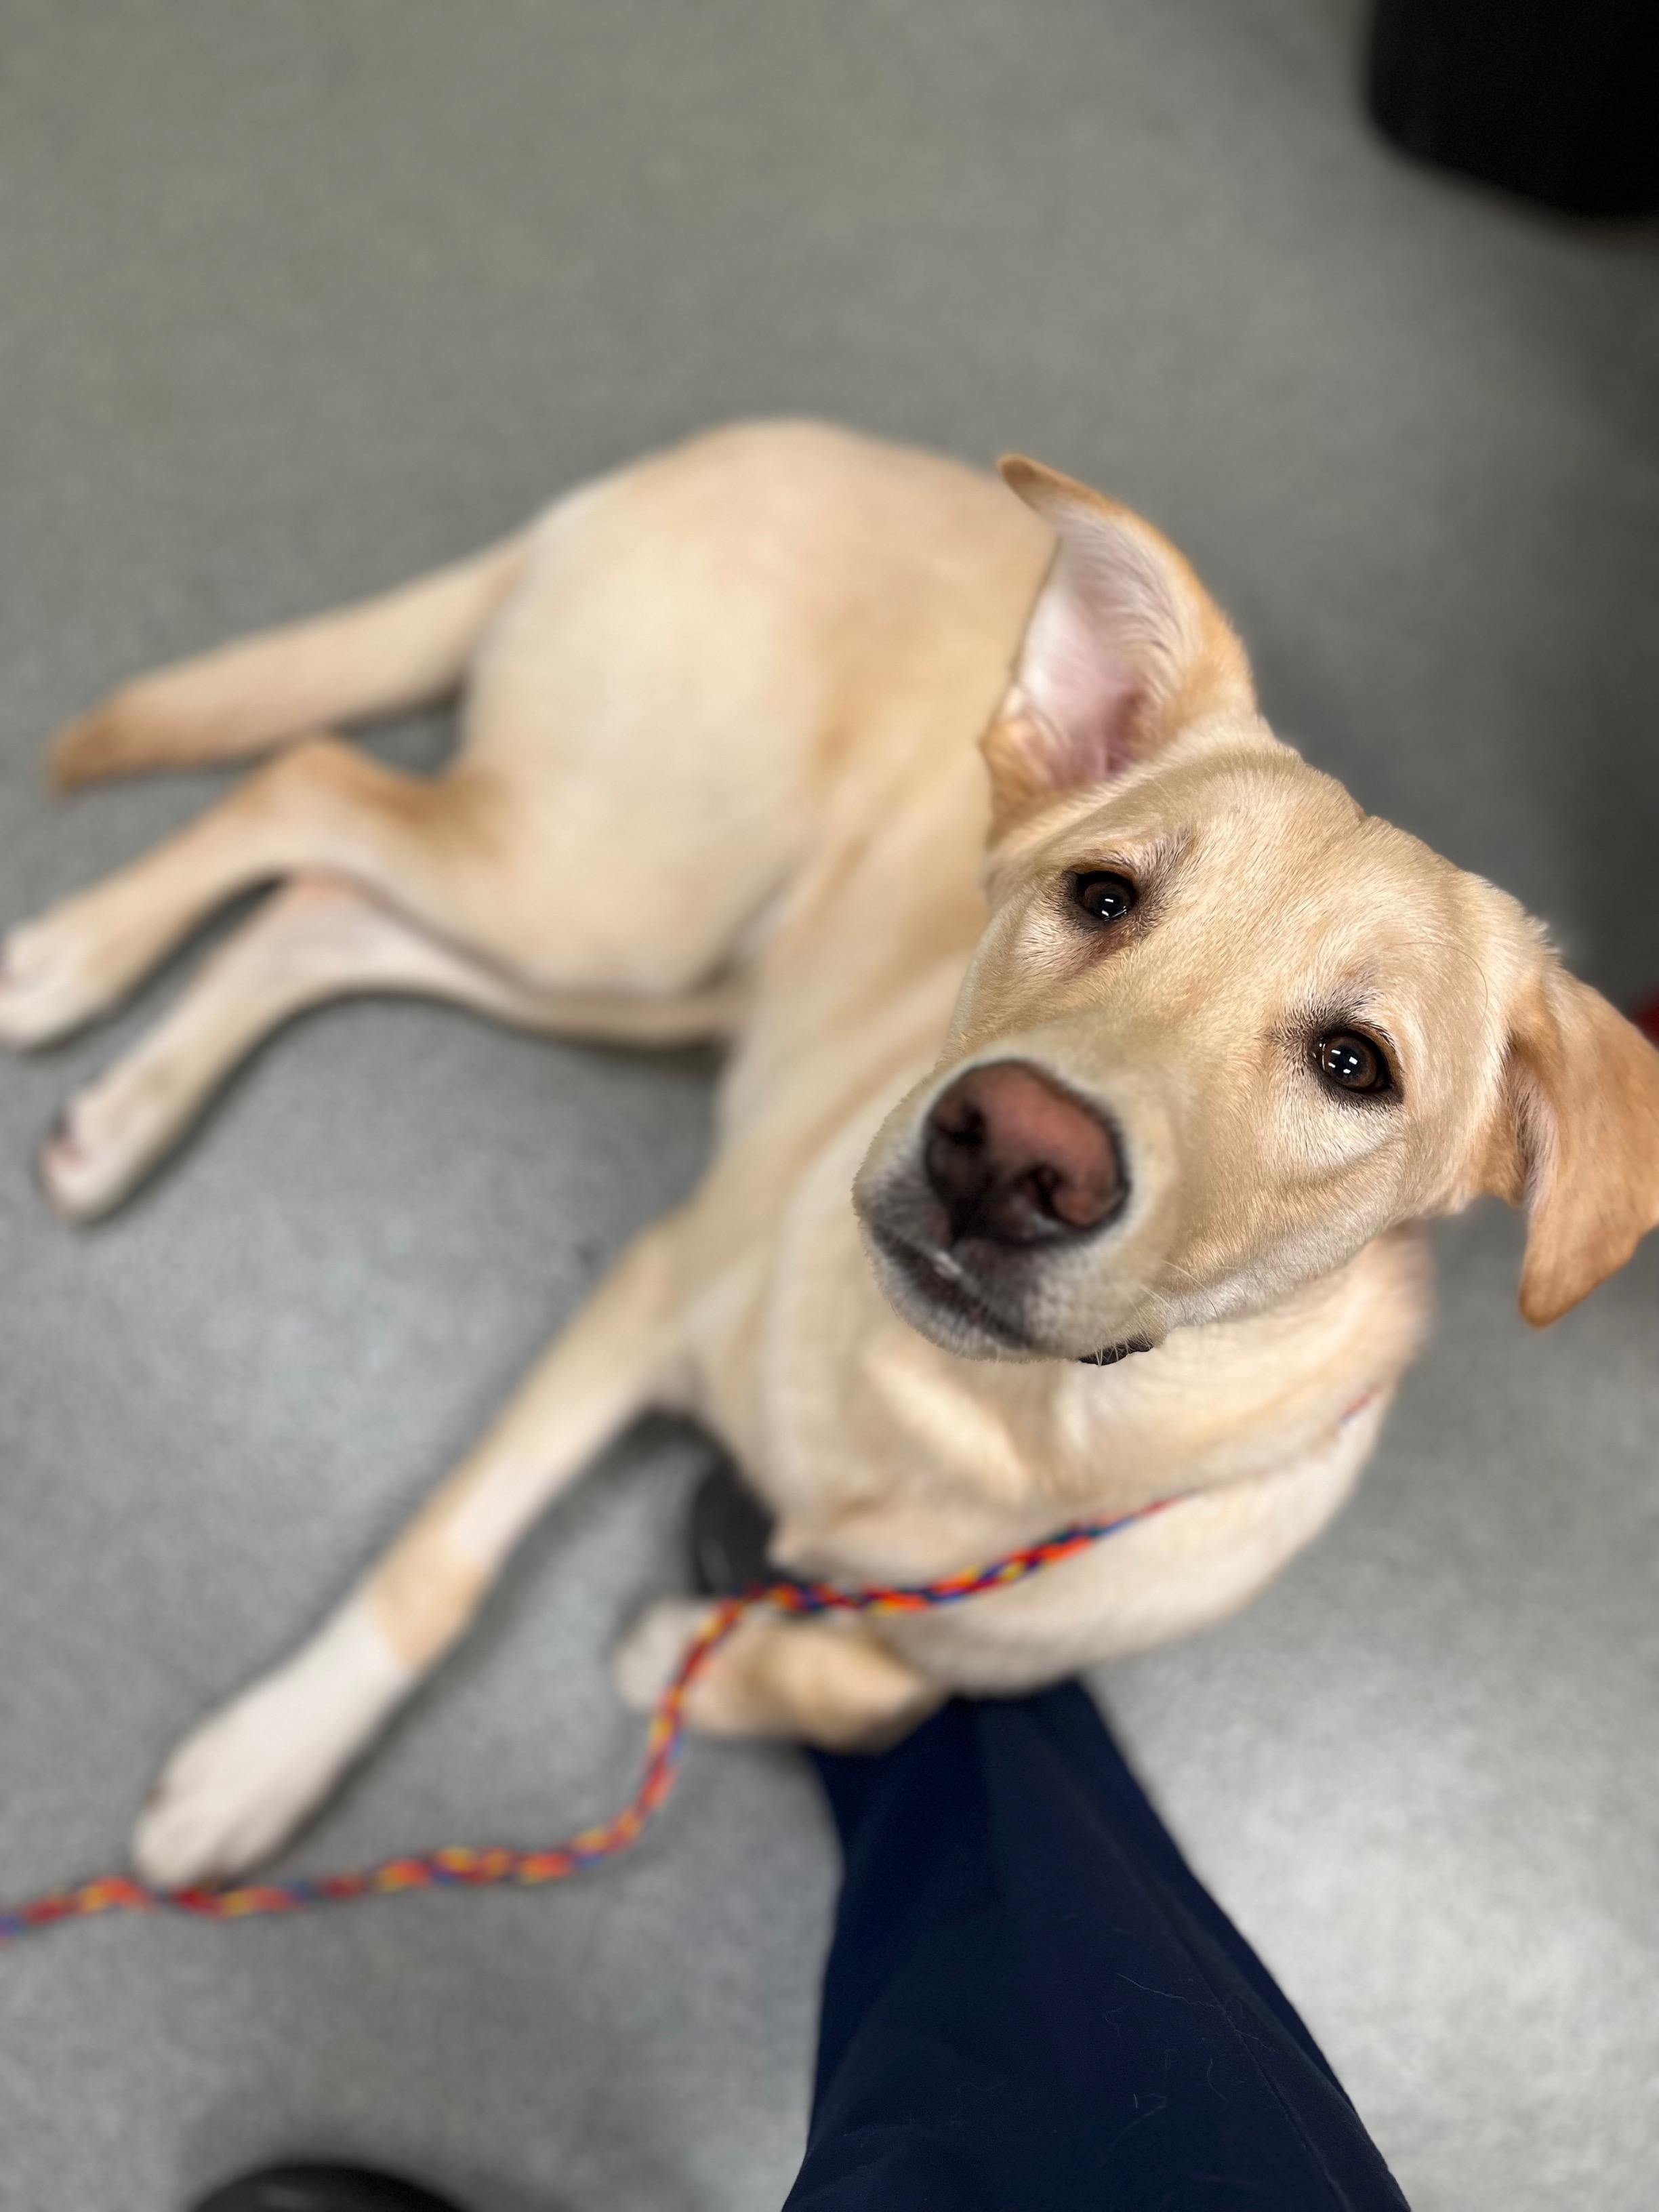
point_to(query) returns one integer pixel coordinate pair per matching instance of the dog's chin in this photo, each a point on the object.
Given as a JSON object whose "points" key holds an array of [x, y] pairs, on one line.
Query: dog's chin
{"points": [[942, 1303], [945, 1302]]}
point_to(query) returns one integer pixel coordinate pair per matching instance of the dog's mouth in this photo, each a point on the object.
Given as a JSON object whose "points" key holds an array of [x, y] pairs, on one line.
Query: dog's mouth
{"points": [[944, 1284], [1110, 1354]]}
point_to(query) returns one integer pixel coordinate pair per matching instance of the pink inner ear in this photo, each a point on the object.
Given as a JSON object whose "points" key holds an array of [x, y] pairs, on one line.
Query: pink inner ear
{"points": [[1085, 691]]}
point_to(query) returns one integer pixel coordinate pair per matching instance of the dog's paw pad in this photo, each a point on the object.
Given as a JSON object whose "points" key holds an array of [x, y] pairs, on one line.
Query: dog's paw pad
{"points": [[94, 1151], [72, 1170]]}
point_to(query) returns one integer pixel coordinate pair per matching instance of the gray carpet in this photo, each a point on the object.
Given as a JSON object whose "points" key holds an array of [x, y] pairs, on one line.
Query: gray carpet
{"points": [[295, 300]]}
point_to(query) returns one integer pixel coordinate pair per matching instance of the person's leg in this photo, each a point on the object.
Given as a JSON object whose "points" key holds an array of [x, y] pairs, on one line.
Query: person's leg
{"points": [[1031, 2004]]}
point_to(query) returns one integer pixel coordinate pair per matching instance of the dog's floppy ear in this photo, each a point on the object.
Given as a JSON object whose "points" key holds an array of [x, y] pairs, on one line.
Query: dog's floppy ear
{"points": [[1579, 1141], [1124, 648]]}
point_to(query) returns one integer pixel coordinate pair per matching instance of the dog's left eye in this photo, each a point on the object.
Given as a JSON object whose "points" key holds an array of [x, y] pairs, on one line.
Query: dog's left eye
{"points": [[1353, 1061], [1104, 894]]}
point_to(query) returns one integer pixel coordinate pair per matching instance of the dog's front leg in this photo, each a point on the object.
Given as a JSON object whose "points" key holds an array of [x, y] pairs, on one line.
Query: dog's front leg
{"points": [[243, 1782]]}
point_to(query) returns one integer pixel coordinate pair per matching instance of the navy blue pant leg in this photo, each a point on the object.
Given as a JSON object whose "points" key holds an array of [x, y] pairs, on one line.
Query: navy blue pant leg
{"points": [[1031, 2004]]}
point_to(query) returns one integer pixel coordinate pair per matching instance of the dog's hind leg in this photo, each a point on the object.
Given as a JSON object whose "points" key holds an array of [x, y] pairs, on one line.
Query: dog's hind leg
{"points": [[318, 939], [241, 1785], [448, 850], [382, 657]]}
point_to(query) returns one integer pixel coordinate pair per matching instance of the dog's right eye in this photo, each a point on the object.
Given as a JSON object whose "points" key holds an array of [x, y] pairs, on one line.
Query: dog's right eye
{"points": [[1350, 1061], [1103, 894]]}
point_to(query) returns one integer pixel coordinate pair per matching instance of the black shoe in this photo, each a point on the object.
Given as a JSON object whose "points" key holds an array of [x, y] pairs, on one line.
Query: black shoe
{"points": [[729, 1532], [322, 2188], [1557, 98]]}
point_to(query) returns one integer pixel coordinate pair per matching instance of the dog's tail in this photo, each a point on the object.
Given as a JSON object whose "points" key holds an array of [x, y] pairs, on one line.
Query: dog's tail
{"points": [[382, 657]]}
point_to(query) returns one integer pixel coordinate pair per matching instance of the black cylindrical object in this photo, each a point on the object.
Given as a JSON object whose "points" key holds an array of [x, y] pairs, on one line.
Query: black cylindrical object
{"points": [[1556, 99]]}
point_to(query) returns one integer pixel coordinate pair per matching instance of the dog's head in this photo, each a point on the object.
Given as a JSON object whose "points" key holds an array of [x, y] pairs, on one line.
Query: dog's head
{"points": [[1223, 1028]]}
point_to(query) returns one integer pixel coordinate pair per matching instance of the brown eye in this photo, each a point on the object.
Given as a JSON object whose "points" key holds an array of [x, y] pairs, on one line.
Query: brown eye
{"points": [[1103, 894], [1351, 1062]]}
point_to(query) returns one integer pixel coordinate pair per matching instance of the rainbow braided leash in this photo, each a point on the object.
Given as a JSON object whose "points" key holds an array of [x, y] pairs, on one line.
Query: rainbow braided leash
{"points": [[473, 1868]]}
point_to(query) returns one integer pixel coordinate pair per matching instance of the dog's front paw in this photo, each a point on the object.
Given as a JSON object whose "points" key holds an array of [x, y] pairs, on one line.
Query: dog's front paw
{"points": [[234, 1790], [649, 1656], [237, 1789]]}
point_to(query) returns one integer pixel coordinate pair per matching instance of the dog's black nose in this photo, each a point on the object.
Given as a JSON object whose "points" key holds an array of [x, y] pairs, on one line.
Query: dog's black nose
{"points": [[1015, 1160]]}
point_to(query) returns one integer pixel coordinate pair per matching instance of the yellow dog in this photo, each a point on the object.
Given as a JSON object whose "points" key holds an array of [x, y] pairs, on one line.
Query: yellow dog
{"points": [[1149, 1043]]}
